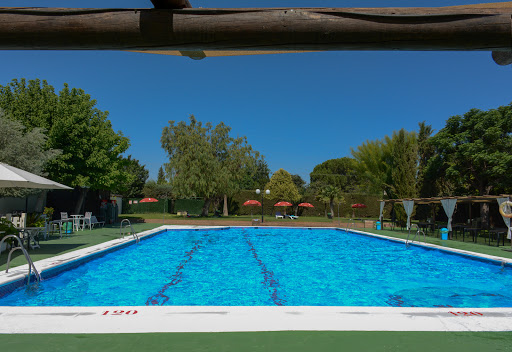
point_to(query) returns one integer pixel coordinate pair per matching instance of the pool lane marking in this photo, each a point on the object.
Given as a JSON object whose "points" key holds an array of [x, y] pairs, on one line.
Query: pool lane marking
{"points": [[160, 299], [269, 280]]}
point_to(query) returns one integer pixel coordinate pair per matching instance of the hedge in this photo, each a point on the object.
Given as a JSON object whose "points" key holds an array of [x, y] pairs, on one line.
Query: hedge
{"points": [[236, 207]]}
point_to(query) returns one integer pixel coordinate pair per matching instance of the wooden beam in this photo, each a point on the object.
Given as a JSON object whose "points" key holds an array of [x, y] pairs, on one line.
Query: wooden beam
{"points": [[277, 29]]}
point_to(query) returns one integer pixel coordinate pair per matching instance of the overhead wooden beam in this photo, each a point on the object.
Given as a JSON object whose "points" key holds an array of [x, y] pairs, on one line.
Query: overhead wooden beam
{"points": [[270, 29]]}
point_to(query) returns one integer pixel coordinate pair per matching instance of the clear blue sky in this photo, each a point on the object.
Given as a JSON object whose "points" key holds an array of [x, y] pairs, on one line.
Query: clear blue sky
{"points": [[298, 110]]}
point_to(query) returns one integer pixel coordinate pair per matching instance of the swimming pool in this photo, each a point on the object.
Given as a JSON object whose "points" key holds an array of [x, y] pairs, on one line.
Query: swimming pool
{"points": [[274, 267]]}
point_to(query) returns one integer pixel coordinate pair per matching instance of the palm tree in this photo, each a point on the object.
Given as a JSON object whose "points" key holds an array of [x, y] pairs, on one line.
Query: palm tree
{"points": [[330, 194]]}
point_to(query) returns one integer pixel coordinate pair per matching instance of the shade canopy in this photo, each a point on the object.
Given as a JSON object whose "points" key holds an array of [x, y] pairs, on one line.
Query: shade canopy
{"points": [[148, 200], [11, 176], [252, 202], [359, 205], [283, 204], [306, 205]]}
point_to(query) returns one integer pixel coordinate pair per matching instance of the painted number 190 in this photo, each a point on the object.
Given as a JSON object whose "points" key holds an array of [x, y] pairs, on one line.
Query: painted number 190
{"points": [[466, 314], [120, 312]]}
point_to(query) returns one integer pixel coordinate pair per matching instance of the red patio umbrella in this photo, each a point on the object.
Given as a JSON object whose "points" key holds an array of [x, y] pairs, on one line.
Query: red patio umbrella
{"points": [[148, 200], [252, 202], [356, 206], [283, 204], [307, 205]]}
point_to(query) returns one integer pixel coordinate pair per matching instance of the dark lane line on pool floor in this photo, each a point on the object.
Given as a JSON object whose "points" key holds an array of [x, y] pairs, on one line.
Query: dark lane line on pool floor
{"points": [[269, 280], [160, 299]]}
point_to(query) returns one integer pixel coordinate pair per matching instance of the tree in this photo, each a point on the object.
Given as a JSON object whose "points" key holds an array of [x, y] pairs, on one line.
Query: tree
{"points": [[282, 188], [330, 194], [90, 148], [23, 149], [205, 161], [161, 176], [340, 173], [405, 161], [374, 166], [136, 180], [299, 183], [425, 152], [474, 152]]}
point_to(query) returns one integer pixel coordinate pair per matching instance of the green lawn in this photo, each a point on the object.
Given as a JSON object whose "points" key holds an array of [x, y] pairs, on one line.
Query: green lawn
{"points": [[264, 341]]}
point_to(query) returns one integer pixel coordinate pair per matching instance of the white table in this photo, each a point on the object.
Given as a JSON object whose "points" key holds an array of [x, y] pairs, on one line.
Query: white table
{"points": [[77, 219]]}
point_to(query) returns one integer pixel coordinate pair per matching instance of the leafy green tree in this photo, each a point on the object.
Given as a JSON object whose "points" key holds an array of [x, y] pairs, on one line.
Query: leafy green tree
{"points": [[136, 180], [425, 152], [330, 194], [405, 161], [205, 161], [282, 188], [161, 176], [340, 173], [473, 151], [374, 166], [255, 174], [90, 148], [299, 183], [23, 149], [153, 190]]}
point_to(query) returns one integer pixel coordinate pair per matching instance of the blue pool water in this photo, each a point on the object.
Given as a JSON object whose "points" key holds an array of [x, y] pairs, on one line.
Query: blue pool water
{"points": [[292, 267]]}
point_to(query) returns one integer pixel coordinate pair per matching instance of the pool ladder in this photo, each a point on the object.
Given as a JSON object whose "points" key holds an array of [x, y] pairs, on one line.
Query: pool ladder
{"points": [[417, 234], [31, 265], [352, 224], [127, 225]]}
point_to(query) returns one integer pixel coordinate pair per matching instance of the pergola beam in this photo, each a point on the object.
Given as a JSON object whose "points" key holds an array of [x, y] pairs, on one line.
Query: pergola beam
{"points": [[261, 29]]}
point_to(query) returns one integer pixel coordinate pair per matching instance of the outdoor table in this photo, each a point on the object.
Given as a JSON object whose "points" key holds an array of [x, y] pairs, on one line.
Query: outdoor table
{"points": [[76, 221], [426, 225], [30, 233], [498, 232], [459, 227], [473, 231]]}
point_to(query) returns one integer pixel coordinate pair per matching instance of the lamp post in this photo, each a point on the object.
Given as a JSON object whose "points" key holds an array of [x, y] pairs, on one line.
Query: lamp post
{"points": [[267, 192]]}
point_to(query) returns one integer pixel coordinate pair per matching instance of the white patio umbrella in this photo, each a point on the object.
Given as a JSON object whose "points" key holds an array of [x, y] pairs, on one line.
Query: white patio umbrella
{"points": [[11, 176]]}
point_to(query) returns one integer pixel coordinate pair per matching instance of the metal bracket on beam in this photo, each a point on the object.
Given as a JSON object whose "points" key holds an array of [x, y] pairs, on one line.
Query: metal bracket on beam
{"points": [[171, 4]]}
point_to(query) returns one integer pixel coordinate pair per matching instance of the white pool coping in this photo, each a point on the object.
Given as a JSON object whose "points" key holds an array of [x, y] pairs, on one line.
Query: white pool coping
{"points": [[147, 319]]}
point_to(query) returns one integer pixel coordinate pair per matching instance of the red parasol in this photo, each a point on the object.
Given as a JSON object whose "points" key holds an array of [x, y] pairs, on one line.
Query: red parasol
{"points": [[307, 205], [252, 202], [148, 200], [283, 204], [357, 206]]}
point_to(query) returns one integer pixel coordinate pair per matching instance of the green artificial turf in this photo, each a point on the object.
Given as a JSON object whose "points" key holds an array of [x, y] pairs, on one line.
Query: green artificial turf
{"points": [[77, 240], [264, 341]]}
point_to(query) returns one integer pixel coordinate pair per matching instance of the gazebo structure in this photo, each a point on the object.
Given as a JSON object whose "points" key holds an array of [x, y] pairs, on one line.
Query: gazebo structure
{"points": [[448, 204]]}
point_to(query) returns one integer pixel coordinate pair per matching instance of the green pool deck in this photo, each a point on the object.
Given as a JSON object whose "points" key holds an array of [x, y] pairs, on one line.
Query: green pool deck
{"points": [[264, 341]]}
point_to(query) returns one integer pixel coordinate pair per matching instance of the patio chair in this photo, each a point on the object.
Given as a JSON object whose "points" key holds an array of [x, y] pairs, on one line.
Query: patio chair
{"points": [[95, 221], [279, 215], [86, 221], [293, 217]]}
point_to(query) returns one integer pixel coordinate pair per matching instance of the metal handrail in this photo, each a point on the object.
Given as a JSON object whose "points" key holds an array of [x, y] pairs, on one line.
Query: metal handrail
{"points": [[31, 265], [349, 224], [418, 233], [132, 231]]}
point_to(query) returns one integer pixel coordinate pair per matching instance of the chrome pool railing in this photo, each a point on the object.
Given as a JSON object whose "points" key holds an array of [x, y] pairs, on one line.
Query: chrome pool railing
{"points": [[352, 224], [131, 231], [31, 265], [417, 233]]}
